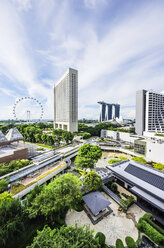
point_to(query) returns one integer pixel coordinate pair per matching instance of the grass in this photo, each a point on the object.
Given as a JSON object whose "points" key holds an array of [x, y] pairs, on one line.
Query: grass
{"points": [[19, 187], [45, 146]]}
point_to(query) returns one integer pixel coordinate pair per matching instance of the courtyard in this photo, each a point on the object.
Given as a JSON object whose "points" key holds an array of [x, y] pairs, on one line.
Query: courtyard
{"points": [[114, 226]]}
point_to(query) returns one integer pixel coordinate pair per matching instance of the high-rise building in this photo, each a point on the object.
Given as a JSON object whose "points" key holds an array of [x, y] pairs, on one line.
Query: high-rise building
{"points": [[149, 112], [66, 102], [108, 111]]}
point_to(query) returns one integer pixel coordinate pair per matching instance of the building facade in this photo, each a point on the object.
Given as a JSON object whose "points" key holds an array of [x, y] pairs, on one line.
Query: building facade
{"points": [[149, 112], [66, 102], [108, 111]]}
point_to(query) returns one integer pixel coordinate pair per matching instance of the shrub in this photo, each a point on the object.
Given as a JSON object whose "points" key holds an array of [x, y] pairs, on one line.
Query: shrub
{"points": [[150, 231], [113, 161], [114, 187], [101, 238], [109, 184], [158, 166], [130, 242], [140, 160], [119, 243], [123, 158], [147, 217]]}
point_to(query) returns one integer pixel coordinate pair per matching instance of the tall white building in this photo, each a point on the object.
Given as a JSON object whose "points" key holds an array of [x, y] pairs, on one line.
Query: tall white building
{"points": [[149, 112], [66, 102]]}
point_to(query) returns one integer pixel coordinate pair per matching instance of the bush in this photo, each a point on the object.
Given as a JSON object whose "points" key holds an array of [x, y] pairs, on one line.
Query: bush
{"points": [[150, 231], [140, 160], [114, 161], [130, 242], [109, 183], [119, 243], [147, 217], [114, 187], [101, 238], [123, 158], [158, 166]]}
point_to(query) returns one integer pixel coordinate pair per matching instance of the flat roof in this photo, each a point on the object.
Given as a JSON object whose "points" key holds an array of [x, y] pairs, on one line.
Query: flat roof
{"points": [[145, 177], [7, 150], [96, 202]]}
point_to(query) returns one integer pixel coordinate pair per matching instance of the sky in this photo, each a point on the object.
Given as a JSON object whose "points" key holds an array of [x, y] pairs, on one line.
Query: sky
{"points": [[117, 46]]}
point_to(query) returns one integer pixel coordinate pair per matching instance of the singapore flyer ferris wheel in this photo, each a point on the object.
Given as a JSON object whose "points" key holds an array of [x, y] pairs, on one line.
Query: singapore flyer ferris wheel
{"points": [[28, 109]]}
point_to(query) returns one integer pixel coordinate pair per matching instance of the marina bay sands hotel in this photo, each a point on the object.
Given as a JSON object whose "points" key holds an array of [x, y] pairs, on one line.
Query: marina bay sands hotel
{"points": [[109, 111]]}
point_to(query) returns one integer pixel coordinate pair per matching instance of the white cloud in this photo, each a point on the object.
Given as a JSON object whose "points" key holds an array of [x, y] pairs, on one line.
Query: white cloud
{"points": [[92, 4], [23, 4]]}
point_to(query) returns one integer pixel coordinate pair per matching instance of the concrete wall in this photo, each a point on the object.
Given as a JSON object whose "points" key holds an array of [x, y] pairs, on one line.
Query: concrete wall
{"points": [[155, 152], [19, 154], [127, 137]]}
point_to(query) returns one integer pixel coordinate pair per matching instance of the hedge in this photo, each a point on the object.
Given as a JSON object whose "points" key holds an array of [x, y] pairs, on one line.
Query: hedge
{"points": [[119, 243], [130, 242], [150, 231], [101, 238], [147, 217]]}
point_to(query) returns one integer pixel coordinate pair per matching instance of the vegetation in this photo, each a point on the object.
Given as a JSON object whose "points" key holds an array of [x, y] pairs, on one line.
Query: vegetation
{"points": [[13, 166], [95, 131], [63, 192], [139, 160], [34, 133], [101, 239], [152, 232], [122, 157], [114, 161], [3, 185], [158, 166], [130, 242], [68, 237], [119, 243], [11, 218], [159, 134], [87, 156], [93, 181], [85, 135]]}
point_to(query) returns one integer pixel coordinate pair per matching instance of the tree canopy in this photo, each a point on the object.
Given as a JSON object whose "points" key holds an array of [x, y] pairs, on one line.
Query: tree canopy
{"points": [[63, 192], [88, 155], [93, 181], [11, 218], [66, 236]]}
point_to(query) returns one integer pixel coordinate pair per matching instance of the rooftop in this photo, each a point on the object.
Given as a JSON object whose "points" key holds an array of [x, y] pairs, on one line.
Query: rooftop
{"points": [[145, 179], [14, 135], [2, 138], [96, 202]]}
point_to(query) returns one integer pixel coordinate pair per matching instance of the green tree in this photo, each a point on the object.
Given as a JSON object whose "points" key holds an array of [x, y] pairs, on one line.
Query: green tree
{"points": [[11, 218], [3, 185], [63, 192], [50, 140], [44, 138], [84, 162], [66, 236], [88, 154], [38, 138], [93, 181]]}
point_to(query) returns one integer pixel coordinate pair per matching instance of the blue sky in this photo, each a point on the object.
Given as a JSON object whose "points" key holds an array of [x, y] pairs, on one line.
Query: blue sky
{"points": [[116, 45]]}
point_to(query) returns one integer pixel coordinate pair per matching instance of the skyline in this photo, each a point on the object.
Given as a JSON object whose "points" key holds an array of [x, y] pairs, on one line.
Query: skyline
{"points": [[116, 47]]}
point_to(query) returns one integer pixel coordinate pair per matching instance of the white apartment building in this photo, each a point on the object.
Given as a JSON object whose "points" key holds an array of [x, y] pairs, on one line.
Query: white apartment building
{"points": [[149, 112], [66, 102]]}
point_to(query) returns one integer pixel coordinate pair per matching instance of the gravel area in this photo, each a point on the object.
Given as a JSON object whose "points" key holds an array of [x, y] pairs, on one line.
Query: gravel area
{"points": [[116, 225]]}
